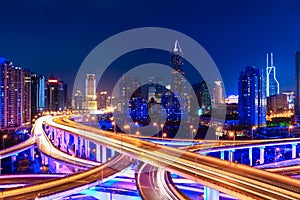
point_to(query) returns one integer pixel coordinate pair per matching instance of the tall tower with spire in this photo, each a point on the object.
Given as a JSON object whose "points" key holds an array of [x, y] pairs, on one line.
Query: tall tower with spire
{"points": [[272, 85], [179, 105]]}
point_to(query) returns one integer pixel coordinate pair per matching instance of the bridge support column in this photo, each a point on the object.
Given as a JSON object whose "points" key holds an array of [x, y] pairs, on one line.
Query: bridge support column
{"points": [[98, 153], [45, 160], [76, 145], [81, 147], [13, 159], [87, 149], [230, 155], [104, 157], [250, 157], [62, 142], [210, 194], [67, 135], [32, 153], [294, 152], [222, 155], [261, 155], [112, 153]]}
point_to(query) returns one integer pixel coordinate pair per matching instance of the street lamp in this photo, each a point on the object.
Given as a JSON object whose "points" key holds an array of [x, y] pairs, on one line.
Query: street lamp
{"points": [[3, 138], [163, 136], [253, 128], [137, 126], [290, 128], [155, 124], [191, 131], [127, 127]]}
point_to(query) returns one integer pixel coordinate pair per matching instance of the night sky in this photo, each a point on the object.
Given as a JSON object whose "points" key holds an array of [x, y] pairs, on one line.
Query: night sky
{"points": [[54, 36]]}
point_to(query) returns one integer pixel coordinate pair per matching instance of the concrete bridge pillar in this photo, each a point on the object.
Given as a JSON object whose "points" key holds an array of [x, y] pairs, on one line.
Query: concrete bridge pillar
{"points": [[250, 157], [104, 157], [87, 149], [294, 152], [261, 155], [112, 153], [76, 145], [222, 155], [98, 152], [230, 155], [81, 147], [210, 194], [13, 159], [32, 155]]}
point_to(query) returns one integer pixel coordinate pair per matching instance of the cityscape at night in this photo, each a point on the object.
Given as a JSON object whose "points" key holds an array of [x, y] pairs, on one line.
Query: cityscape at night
{"points": [[151, 100]]}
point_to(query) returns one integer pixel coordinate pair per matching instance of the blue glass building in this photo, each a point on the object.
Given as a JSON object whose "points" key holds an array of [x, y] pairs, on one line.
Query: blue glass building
{"points": [[252, 97]]}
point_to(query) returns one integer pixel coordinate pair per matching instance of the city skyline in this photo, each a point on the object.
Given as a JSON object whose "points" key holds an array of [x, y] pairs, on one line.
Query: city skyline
{"points": [[235, 34]]}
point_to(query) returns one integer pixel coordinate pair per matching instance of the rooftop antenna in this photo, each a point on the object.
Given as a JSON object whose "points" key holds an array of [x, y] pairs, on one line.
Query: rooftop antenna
{"points": [[272, 60], [267, 60]]}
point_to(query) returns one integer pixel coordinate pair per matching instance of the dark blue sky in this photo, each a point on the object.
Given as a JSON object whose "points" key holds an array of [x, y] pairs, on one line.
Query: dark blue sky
{"points": [[54, 36]]}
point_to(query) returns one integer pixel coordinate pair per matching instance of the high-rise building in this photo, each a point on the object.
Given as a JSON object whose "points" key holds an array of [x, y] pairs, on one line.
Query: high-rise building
{"points": [[277, 103], [205, 98], [78, 100], [55, 95], [90, 91], [252, 97], [272, 85], [218, 93], [37, 94], [15, 99], [129, 87], [178, 84], [290, 98], [103, 100], [297, 87]]}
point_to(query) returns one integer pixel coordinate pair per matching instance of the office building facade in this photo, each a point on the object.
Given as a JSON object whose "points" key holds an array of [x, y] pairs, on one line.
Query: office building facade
{"points": [[15, 95], [252, 97]]}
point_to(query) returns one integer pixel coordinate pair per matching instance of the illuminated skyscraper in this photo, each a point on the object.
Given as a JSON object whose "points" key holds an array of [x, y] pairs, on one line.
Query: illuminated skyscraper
{"points": [[297, 87], [178, 86], [15, 99], [205, 100], [252, 97], [55, 95], [272, 85], [37, 94], [218, 92], [90, 91]]}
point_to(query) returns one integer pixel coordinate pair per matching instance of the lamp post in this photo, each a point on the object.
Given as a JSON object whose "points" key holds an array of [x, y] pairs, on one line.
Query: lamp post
{"points": [[253, 128], [191, 131], [3, 138], [156, 125], [163, 136], [127, 127], [290, 128], [137, 126]]}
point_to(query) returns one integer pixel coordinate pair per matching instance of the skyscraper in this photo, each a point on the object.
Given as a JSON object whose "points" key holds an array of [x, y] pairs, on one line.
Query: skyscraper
{"points": [[37, 94], [78, 100], [272, 85], [55, 95], [15, 99], [90, 91], [205, 98], [102, 100], [178, 84], [252, 97], [129, 87], [218, 93], [297, 87]]}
